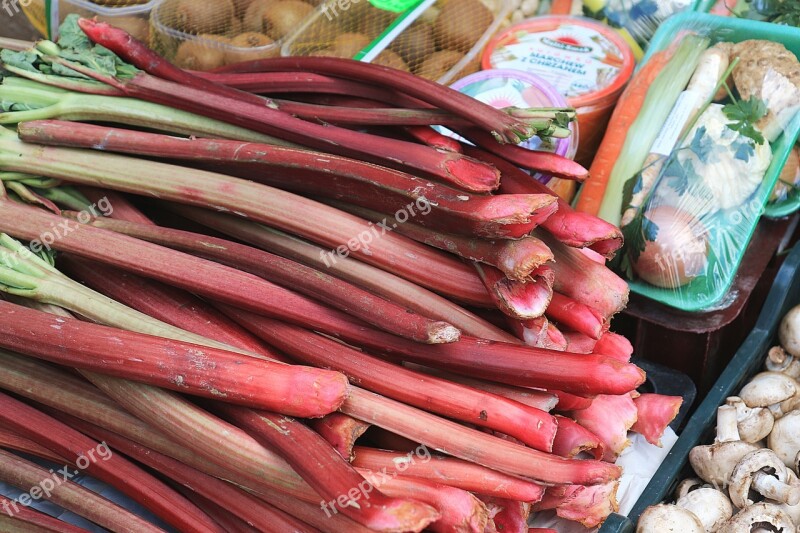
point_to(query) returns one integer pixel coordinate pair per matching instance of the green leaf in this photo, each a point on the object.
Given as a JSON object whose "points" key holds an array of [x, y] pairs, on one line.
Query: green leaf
{"points": [[743, 116], [71, 35], [562, 119], [20, 60], [631, 187]]}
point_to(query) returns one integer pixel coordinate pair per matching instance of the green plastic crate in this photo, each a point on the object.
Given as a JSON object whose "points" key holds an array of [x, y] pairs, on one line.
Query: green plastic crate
{"points": [[747, 361], [696, 296]]}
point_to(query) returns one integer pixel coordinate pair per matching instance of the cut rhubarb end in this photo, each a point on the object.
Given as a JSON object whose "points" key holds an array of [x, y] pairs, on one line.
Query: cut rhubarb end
{"points": [[473, 175], [610, 418], [575, 316], [655, 412], [572, 439], [341, 432], [591, 505], [579, 343], [523, 301], [614, 345]]}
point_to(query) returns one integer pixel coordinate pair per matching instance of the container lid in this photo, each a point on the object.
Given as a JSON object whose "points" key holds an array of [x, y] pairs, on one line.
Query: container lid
{"points": [[585, 60], [504, 88]]}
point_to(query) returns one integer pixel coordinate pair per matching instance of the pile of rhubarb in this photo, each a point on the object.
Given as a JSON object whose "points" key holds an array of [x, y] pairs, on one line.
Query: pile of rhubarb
{"points": [[286, 303]]}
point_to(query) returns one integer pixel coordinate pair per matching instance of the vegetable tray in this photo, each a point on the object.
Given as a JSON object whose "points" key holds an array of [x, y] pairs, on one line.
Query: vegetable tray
{"points": [[784, 295], [740, 223]]}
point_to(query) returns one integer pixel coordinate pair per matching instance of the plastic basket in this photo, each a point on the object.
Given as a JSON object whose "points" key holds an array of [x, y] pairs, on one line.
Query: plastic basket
{"points": [[700, 295], [410, 40], [747, 361], [132, 15]]}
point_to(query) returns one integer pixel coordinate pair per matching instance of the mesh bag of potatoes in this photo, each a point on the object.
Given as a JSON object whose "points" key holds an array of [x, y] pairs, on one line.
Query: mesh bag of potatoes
{"points": [[131, 15], [442, 44]]}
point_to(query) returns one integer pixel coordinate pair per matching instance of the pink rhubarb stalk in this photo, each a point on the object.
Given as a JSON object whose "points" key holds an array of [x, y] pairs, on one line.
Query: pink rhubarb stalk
{"points": [[610, 418], [579, 343], [114, 470], [575, 316], [655, 412], [258, 202], [330, 290], [570, 402], [309, 455], [521, 300], [430, 137], [573, 228], [572, 439], [26, 475], [517, 258], [182, 366], [448, 471], [378, 281], [299, 170], [588, 505], [614, 345], [341, 432], [532, 426], [510, 516], [27, 520]]}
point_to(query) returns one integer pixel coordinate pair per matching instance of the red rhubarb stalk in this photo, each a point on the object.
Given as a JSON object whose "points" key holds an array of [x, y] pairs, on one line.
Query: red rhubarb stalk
{"points": [[610, 418], [572, 439], [575, 316], [263, 204], [570, 402], [27, 520], [336, 293], [309, 455], [499, 124], [448, 471], [374, 116], [113, 469], [532, 332], [555, 339], [234, 499], [459, 511], [573, 228], [341, 432], [655, 412], [588, 505], [579, 343], [533, 398], [532, 426], [182, 366], [584, 280], [359, 182], [511, 516], [13, 441], [517, 258], [28, 476], [379, 281], [224, 518], [430, 137], [511, 364], [614, 345], [521, 300]]}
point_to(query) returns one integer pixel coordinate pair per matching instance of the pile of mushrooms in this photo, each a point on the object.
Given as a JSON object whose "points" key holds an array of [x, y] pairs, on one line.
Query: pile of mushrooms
{"points": [[747, 480]]}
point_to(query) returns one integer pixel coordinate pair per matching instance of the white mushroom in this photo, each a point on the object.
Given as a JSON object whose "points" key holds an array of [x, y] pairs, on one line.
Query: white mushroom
{"points": [[778, 360], [668, 519], [768, 516], [688, 485], [784, 439], [762, 473], [711, 506], [789, 331], [792, 510], [768, 388], [715, 462], [754, 424]]}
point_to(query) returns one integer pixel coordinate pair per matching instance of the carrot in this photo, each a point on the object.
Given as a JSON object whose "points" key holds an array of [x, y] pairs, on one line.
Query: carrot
{"points": [[625, 113]]}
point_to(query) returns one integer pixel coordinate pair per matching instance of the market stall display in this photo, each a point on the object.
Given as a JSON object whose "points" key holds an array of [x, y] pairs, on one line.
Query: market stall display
{"points": [[312, 264]]}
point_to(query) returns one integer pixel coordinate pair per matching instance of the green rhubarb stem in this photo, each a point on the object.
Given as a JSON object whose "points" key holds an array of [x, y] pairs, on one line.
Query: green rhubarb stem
{"points": [[79, 107]]}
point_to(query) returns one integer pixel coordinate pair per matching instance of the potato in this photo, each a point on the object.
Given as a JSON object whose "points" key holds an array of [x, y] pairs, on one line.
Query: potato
{"points": [[461, 23], [349, 44], [250, 46], [387, 58], [254, 18], [438, 64]]}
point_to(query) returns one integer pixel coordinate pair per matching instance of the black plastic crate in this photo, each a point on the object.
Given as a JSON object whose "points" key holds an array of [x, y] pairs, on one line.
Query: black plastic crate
{"points": [[748, 360]]}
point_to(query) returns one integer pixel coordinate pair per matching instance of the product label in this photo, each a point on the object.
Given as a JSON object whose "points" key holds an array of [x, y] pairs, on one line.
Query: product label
{"points": [[575, 59], [688, 103]]}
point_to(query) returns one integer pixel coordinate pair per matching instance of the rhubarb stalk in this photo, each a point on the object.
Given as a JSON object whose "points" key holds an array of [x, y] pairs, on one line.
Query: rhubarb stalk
{"points": [[655, 412], [572, 439], [610, 418], [575, 316], [27, 520], [341, 432], [521, 300]]}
